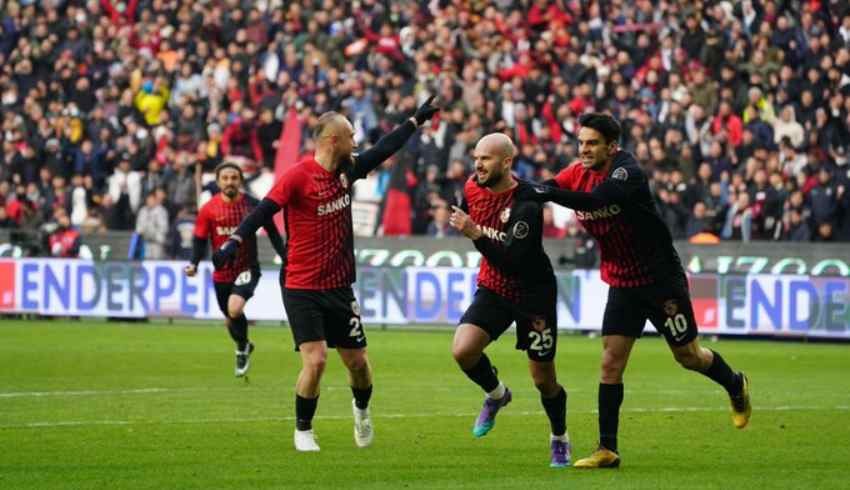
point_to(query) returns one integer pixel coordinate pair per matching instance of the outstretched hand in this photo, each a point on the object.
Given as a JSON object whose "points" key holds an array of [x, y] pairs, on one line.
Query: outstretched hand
{"points": [[461, 222], [426, 111]]}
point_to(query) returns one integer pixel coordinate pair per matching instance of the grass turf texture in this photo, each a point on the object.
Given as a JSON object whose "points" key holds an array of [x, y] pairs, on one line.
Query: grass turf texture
{"points": [[97, 405]]}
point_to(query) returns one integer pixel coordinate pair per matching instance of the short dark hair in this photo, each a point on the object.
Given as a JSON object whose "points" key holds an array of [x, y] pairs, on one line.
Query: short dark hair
{"points": [[225, 165], [604, 123]]}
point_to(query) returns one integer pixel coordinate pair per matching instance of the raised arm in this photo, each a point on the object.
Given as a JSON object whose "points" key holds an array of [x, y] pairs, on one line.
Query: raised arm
{"points": [[385, 147]]}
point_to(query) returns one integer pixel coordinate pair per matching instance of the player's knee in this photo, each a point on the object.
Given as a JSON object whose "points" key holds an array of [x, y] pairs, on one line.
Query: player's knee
{"points": [[234, 312], [316, 362], [612, 369], [464, 355], [357, 364], [547, 388], [688, 360]]}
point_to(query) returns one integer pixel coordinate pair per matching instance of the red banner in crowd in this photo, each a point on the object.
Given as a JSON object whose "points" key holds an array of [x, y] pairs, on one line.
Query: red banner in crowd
{"points": [[288, 148]]}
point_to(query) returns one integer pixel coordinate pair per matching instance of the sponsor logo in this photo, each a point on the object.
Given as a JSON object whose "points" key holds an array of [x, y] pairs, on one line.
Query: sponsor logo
{"points": [[225, 230], [338, 204], [493, 234], [601, 213]]}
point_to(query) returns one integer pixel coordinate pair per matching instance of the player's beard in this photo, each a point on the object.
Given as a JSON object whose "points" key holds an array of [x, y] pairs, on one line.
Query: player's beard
{"points": [[230, 192], [493, 177]]}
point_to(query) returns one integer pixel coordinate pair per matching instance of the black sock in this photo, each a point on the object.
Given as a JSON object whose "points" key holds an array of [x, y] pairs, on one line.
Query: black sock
{"points": [[305, 408], [610, 399], [556, 410], [483, 374], [238, 329], [362, 396], [722, 374]]}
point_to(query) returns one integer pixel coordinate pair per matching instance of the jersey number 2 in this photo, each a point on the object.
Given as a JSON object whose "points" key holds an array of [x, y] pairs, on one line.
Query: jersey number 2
{"points": [[356, 329]]}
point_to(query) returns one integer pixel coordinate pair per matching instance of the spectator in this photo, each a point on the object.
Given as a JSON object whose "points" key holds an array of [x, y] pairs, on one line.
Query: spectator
{"points": [[152, 226], [698, 222], [151, 98], [241, 138], [439, 226], [823, 199], [181, 234], [788, 127], [63, 240], [796, 228], [174, 82], [739, 219], [126, 182]]}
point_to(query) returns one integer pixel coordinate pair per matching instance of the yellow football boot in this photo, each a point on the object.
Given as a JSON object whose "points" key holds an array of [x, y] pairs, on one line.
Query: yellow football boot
{"points": [[601, 458], [741, 408]]}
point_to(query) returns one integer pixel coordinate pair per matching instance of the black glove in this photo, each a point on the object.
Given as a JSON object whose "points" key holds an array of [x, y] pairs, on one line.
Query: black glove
{"points": [[225, 253], [426, 111], [529, 191]]}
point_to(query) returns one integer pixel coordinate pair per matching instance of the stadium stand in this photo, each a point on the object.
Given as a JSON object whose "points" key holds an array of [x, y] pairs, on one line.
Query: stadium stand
{"points": [[740, 111]]}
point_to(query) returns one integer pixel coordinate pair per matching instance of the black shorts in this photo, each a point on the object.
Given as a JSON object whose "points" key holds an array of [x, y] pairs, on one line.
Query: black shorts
{"points": [[667, 305], [332, 315], [536, 318], [244, 285]]}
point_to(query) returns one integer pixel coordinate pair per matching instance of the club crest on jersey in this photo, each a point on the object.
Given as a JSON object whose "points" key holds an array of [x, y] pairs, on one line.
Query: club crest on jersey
{"points": [[506, 215], [520, 230], [620, 174], [670, 307], [538, 324], [343, 180]]}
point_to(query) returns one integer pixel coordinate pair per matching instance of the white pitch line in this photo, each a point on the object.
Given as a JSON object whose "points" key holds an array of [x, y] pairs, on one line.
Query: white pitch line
{"points": [[148, 391], [140, 391], [83, 423]]}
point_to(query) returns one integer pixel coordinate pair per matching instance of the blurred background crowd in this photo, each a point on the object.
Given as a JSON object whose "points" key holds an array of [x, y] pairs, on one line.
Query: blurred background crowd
{"points": [[114, 113]]}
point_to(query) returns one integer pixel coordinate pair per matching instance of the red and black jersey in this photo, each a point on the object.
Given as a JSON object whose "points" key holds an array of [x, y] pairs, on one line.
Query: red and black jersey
{"points": [[619, 212], [216, 221], [316, 206], [317, 212], [513, 262]]}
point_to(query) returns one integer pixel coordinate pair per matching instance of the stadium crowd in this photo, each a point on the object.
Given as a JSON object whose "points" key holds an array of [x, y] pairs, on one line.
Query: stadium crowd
{"points": [[739, 111]]}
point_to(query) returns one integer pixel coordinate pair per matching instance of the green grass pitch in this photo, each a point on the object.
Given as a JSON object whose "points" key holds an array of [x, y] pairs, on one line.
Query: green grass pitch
{"points": [[96, 405]]}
